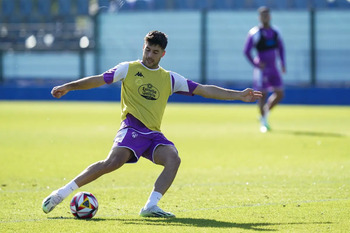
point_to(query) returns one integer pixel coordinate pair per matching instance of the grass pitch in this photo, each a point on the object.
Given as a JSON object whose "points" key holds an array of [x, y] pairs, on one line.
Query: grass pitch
{"points": [[232, 177]]}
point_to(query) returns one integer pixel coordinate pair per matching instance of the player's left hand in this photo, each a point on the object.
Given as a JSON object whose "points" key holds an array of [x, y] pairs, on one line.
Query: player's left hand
{"points": [[250, 95], [283, 68], [59, 91]]}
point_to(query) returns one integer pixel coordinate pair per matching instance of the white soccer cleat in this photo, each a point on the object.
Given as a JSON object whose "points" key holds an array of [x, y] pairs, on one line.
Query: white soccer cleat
{"points": [[264, 125], [156, 212], [51, 202], [263, 129]]}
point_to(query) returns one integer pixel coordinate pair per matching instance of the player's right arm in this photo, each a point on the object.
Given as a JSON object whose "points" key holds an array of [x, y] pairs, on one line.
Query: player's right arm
{"points": [[252, 38], [81, 84]]}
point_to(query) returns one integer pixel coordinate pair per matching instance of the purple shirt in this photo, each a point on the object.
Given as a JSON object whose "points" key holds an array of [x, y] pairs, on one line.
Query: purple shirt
{"points": [[267, 56]]}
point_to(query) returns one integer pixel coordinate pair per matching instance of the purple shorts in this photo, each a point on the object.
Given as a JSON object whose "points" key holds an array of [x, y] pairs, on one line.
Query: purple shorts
{"points": [[140, 143], [267, 79]]}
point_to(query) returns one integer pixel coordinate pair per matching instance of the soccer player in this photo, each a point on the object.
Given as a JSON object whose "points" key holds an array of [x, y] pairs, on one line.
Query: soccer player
{"points": [[145, 90], [267, 41]]}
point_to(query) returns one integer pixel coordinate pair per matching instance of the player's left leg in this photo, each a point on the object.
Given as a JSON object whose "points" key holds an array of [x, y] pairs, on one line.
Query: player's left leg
{"points": [[167, 156]]}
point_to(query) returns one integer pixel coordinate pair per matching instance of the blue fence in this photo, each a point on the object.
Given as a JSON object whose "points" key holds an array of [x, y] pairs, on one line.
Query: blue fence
{"points": [[120, 33]]}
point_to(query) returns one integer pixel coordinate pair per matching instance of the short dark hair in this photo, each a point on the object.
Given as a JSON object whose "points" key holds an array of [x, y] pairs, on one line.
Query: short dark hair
{"points": [[263, 9], [157, 38]]}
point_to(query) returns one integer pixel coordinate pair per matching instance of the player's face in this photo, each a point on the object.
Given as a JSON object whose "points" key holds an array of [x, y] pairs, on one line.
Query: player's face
{"points": [[265, 17], [152, 55]]}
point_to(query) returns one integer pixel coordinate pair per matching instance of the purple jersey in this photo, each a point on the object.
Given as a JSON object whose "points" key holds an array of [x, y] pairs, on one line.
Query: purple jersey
{"points": [[267, 42]]}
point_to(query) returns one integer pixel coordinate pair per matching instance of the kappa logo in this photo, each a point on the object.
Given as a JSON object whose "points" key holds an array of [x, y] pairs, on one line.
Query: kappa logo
{"points": [[139, 74]]}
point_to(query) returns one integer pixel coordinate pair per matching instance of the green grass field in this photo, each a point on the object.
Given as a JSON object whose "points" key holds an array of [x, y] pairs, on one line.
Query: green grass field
{"points": [[232, 177]]}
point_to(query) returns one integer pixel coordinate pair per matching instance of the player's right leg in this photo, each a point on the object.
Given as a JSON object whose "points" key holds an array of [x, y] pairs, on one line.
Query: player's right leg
{"points": [[274, 82], [271, 102], [260, 83], [116, 158]]}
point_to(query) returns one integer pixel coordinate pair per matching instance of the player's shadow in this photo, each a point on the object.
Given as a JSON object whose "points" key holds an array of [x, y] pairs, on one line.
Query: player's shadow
{"points": [[309, 133], [195, 222], [200, 222]]}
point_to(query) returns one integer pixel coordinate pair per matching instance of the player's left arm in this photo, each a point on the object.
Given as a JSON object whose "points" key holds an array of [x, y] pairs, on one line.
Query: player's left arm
{"points": [[215, 92]]}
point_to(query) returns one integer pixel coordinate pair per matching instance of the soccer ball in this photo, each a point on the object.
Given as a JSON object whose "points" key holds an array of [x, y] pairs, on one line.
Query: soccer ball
{"points": [[84, 205]]}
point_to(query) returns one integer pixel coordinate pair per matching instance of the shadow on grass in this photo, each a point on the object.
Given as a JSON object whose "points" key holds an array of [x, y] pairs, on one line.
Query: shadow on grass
{"points": [[309, 133], [200, 222], [195, 222]]}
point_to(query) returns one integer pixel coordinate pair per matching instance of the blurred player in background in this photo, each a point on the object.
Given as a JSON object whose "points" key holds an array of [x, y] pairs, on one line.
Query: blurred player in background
{"points": [[146, 88], [268, 43]]}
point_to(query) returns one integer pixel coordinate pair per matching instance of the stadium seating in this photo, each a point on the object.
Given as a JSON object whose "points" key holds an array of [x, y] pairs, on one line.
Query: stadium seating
{"points": [[282, 5], [204, 4], [184, 4], [122, 6], [343, 4], [140, 5], [144, 5], [160, 5], [221, 5], [82, 7], [44, 7], [103, 5], [64, 7], [301, 4], [20, 19], [44, 21], [25, 7], [191, 4], [7, 7]]}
